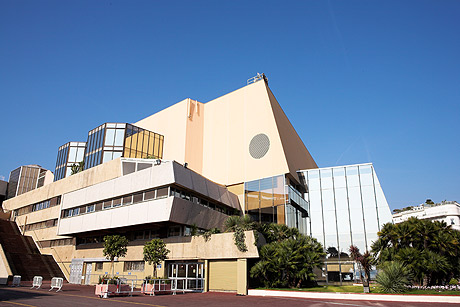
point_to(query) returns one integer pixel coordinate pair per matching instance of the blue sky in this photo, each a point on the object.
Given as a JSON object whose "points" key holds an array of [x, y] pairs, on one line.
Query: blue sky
{"points": [[361, 81]]}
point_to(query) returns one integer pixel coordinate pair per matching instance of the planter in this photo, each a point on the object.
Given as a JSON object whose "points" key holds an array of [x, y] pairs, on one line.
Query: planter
{"points": [[105, 290], [156, 288]]}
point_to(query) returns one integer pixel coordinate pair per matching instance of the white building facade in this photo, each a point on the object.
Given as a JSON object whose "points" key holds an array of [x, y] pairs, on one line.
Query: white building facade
{"points": [[347, 207], [446, 211]]}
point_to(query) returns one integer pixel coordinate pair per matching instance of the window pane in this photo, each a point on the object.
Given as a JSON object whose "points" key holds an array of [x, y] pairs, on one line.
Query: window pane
{"points": [[72, 154], [137, 197], [107, 156], [149, 195], [119, 137], [109, 137], [107, 204], [117, 202], [163, 192], [127, 200]]}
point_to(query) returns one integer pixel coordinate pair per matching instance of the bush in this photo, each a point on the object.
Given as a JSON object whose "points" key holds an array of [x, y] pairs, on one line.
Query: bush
{"points": [[104, 278], [394, 277], [453, 282]]}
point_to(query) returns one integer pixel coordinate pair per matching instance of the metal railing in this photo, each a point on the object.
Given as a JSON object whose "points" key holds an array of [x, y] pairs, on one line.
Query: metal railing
{"points": [[125, 286], [295, 196], [256, 78]]}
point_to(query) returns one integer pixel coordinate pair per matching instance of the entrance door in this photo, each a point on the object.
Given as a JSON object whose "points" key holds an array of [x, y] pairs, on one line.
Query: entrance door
{"points": [[76, 270], [88, 271], [187, 276]]}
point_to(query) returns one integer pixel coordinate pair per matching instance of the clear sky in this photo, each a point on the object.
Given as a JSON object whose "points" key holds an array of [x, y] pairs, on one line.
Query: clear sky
{"points": [[361, 81]]}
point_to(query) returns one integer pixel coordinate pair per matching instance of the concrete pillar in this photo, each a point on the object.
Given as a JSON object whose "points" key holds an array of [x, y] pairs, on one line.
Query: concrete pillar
{"points": [[242, 277], [206, 276]]}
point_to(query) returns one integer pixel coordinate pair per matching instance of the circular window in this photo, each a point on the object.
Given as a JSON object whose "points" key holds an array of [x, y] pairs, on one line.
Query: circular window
{"points": [[259, 146]]}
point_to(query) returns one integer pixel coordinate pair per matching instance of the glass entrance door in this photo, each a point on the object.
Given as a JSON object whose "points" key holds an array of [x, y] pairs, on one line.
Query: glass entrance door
{"points": [[187, 276]]}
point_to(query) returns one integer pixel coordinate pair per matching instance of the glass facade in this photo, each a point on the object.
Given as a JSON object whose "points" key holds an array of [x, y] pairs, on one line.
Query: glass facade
{"points": [[68, 154], [347, 208], [272, 200], [24, 179], [113, 140]]}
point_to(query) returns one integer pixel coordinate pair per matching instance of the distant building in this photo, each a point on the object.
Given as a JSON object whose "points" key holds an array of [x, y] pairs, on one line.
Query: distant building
{"points": [[446, 211], [27, 178], [3, 191]]}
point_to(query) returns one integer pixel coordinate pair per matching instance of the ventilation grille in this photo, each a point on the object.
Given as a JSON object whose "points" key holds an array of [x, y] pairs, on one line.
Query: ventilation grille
{"points": [[259, 146]]}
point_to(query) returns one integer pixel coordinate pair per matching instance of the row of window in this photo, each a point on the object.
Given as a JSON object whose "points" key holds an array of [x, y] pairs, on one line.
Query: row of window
{"points": [[117, 202], [146, 234], [57, 242], [134, 266], [128, 266], [194, 198], [144, 196], [41, 225], [55, 201]]}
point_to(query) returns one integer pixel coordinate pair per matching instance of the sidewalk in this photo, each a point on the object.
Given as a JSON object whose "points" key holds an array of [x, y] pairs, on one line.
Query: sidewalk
{"points": [[359, 296]]}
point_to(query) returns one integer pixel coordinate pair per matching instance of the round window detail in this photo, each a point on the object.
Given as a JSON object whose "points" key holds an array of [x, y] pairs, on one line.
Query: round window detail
{"points": [[259, 146]]}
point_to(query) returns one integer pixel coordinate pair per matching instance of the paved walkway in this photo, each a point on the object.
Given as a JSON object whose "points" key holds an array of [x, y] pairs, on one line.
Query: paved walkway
{"points": [[359, 296], [77, 295]]}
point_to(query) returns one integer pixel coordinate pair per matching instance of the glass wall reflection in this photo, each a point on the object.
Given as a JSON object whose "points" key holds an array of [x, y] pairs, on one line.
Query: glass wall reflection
{"points": [[68, 154], [347, 207], [113, 140], [272, 200]]}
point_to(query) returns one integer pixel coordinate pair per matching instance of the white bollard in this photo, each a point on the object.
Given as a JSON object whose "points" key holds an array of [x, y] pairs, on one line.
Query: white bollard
{"points": [[37, 282], [56, 282], [16, 281]]}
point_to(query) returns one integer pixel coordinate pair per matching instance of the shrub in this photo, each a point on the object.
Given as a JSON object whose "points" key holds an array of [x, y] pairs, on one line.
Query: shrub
{"points": [[111, 280], [394, 277], [453, 282]]}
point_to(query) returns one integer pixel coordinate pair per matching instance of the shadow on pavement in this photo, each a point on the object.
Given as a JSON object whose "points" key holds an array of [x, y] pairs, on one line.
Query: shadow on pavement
{"points": [[8, 294]]}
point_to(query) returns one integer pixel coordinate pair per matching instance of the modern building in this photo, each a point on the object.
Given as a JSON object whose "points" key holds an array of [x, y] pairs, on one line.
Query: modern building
{"points": [[445, 211], [107, 142], [68, 154], [113, 140], [187, 167], [27, 178], [216, 155], [347, 207]]}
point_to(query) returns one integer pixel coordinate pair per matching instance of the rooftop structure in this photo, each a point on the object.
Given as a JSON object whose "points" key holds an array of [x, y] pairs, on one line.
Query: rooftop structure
{"points": [[26, 178]]}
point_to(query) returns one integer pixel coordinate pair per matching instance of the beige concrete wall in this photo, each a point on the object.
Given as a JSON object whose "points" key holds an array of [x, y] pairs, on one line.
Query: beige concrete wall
{"points": [[5, 269], [38, 216], [214, 137], [172, 124], [194, 135], [242, 277], [100, 173], [44, 234], [230, 124], [219, 247], [297, 155], [49, 177]]}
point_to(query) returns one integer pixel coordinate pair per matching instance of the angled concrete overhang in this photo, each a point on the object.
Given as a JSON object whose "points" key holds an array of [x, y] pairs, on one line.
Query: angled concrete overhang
{"points": [[168, 209]]}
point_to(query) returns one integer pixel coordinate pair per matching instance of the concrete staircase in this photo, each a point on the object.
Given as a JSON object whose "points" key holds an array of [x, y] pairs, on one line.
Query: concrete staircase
{"points": [[23, 256]]}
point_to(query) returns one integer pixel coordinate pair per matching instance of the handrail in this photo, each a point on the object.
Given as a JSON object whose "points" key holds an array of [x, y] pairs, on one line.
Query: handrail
{"points": [[60, 260]]}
